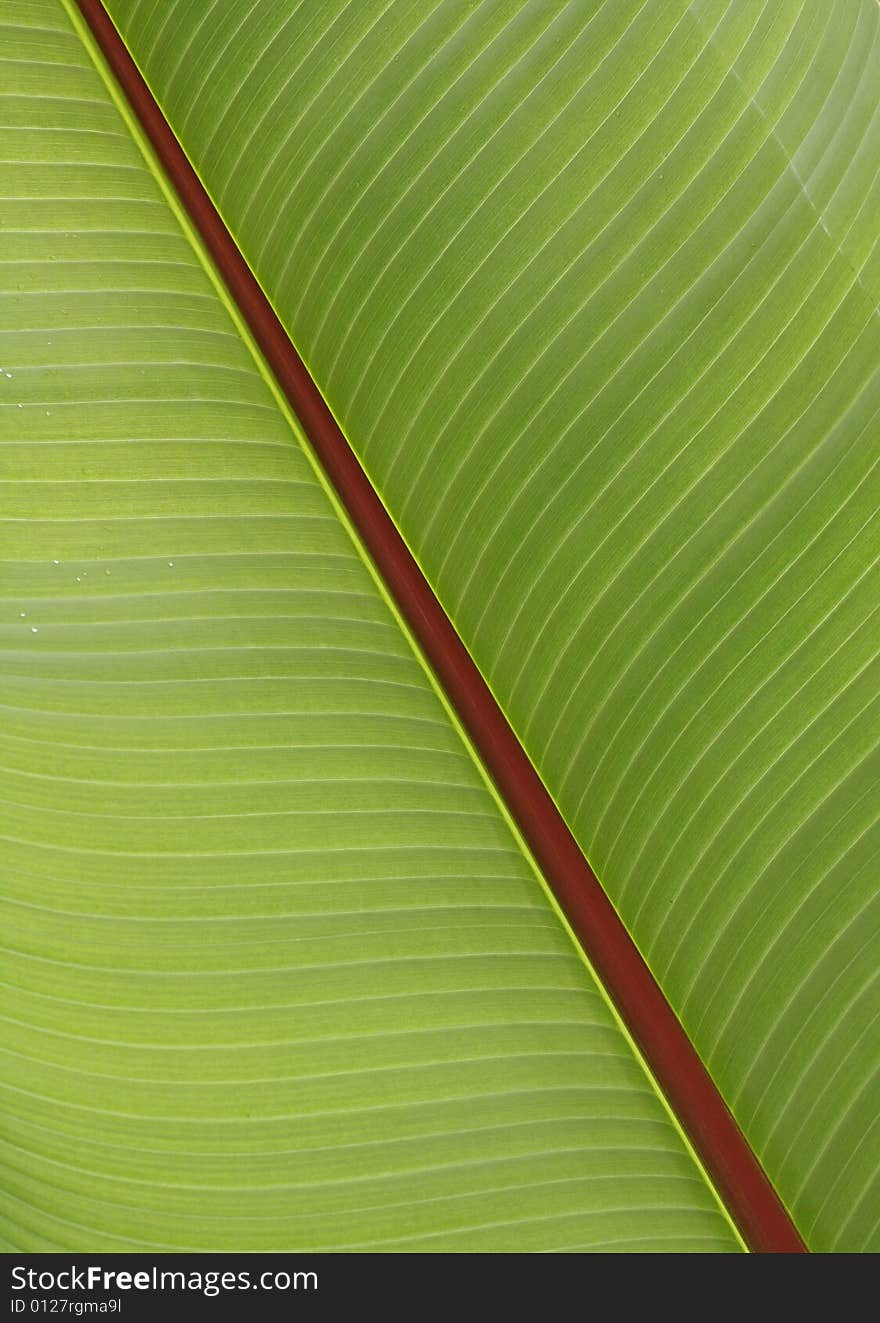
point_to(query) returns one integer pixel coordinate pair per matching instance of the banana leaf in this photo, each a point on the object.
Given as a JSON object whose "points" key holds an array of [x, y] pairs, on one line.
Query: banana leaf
{"points": [[593, 290], [278, 970]]}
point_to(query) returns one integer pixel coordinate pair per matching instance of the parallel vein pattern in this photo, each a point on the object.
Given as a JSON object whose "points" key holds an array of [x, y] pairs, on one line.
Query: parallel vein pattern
{"points": [[593, 289], [276, 972]]}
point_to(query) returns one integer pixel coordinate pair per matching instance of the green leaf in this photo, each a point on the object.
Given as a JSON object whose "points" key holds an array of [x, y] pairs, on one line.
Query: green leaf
{"points": [[593, 289], [277, 971]]}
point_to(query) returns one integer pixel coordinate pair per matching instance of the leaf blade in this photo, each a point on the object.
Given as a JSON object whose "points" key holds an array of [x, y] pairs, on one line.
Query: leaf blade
{"points": [[606, 341], [205, 994]]}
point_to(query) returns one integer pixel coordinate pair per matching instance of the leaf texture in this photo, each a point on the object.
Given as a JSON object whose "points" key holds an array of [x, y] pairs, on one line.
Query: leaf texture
{"points": [[593, 289], [277, 972]]}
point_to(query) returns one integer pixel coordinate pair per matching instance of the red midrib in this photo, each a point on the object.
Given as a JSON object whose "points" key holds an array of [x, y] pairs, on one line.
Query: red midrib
{"points": [[738, 1176]]}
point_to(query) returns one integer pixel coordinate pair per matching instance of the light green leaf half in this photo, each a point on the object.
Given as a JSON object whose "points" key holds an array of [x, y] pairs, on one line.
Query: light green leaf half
{"points": [[593, 289], [276, 972]]}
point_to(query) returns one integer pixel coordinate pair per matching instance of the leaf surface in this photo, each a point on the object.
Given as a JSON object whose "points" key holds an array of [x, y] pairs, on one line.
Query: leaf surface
{"points": [[593, 289], [277, 972]]}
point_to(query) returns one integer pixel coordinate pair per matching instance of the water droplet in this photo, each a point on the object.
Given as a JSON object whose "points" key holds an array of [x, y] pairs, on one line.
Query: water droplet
{"points": [[78, 579], [23, 614], [21, 406], [33, 629], [56, 562], [9, 375], [106, 571], [171, 565]]}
